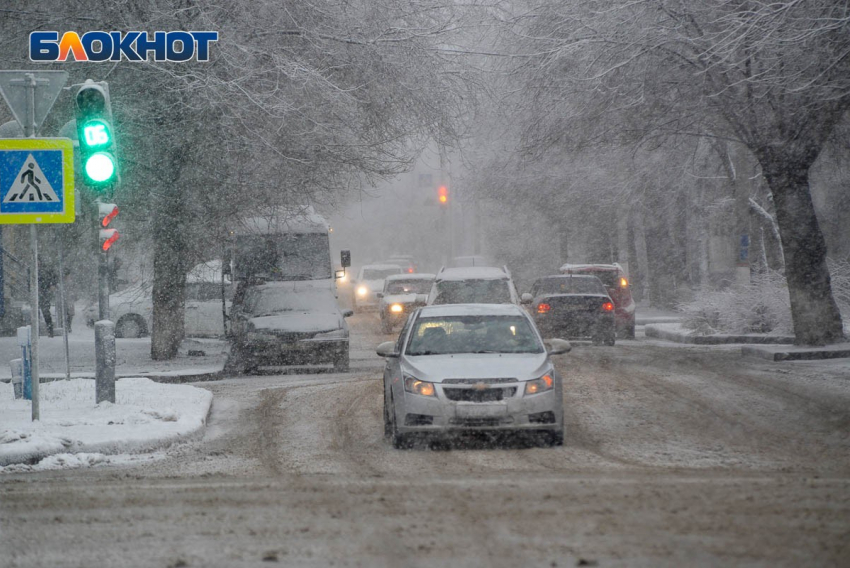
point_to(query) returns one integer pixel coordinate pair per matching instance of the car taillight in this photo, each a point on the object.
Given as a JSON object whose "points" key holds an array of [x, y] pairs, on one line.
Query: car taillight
{"points": [[607, 307], [543, 308], [410, 271]]}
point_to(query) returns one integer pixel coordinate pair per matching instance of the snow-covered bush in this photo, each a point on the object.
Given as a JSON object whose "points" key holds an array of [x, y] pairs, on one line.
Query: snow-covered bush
{"points": [[761, 307]]}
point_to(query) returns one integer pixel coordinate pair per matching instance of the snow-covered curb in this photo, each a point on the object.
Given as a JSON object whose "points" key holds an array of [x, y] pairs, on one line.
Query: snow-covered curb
{"points": [[680, 334], [146, 416]]}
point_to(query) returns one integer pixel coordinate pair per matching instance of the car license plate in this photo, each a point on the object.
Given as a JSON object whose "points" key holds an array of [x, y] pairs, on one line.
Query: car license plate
{"points": [[479, 410]]}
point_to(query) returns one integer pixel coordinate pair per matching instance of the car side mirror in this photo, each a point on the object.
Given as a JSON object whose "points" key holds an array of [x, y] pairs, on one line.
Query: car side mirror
{"points": [[526, 298], [387, 349], [379, 295], [345, 258], [558, 346], [347, 313]]}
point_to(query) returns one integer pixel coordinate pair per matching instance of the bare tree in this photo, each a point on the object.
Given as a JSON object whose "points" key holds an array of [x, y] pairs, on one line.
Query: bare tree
{"points": [[773, 76]]}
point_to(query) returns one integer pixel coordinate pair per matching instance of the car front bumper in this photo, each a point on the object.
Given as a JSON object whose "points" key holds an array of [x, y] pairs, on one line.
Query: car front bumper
{"points": [[297, 352], [541, 412]]}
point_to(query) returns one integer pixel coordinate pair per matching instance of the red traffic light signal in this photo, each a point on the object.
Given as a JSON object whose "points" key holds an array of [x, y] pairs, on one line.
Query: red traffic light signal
{"points": [[443, 195], [108, 238], [107, 212]]}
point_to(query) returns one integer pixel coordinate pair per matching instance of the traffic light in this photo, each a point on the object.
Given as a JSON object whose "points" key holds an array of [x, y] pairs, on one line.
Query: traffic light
{"points": [[443, 196], [96, 135], [106, 213]]}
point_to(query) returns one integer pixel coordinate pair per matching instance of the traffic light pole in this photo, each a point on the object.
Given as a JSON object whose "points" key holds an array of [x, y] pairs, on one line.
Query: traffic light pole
{"points": [[31, 84], [103, 286]]}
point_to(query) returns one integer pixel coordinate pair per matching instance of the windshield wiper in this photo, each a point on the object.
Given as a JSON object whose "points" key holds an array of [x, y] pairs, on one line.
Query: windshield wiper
{"points": [[416, 353]]}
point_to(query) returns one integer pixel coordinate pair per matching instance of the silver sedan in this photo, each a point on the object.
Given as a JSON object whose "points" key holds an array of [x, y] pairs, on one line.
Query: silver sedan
{"points": [[471, 367]]}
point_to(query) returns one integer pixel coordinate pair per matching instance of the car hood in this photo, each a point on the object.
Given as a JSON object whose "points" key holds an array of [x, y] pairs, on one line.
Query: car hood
{"points": [[377, 285], [435, 368], [400, 298], [297, 322]]}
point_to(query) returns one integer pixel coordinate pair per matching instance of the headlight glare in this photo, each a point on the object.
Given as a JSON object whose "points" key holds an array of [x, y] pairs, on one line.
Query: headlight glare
{"points": [[543, 384], [362, 291], [396, 308], [422, 388]]}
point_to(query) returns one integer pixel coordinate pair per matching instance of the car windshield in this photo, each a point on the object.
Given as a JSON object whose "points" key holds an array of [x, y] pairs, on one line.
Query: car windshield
{"points": [[268, 301], [408, 286], [379, 273], [472, 334], [473, 292], [568, 285]]}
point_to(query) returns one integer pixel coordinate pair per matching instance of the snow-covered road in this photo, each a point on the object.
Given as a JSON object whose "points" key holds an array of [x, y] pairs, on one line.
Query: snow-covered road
{"points": [[673, 456]]}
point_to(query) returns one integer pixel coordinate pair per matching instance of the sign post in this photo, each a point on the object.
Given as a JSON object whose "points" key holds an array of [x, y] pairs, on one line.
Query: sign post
{"points": [[25, 196]]}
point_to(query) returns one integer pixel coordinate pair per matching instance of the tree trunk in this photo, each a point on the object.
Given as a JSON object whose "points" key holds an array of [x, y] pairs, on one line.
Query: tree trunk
{"points": [[814, 312], [169, 283]]}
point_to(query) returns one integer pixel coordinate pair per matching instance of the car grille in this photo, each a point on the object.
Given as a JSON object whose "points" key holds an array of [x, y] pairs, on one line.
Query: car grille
{"points": [[292, 337], [476, 381], [475, 395], [480, 422]]}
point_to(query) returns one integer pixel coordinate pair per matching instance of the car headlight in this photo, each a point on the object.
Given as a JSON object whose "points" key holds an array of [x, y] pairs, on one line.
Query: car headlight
{"points": [[396, 308], [335, 334], [422, 388], [362, 291], [543, 384]]}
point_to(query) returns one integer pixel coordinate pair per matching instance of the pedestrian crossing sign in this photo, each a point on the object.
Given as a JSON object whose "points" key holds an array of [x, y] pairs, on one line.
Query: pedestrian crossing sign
{"points": [[36, 181]]}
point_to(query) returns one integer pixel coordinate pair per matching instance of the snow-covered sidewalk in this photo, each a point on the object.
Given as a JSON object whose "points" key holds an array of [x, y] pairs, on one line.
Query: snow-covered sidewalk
{"points": [[74, 431]]}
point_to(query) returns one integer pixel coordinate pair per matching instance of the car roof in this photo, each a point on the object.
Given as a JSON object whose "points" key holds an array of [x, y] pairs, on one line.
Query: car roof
{"points": [[591, 267], [564, 276], [410, 276], [471, 310], [474, 273]]}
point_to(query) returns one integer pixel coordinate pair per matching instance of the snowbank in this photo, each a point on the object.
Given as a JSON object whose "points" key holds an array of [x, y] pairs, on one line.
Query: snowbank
{"points": [[146, 415]]}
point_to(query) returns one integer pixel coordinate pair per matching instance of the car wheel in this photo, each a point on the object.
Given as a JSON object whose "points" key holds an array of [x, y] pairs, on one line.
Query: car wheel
{"points": [[341, 363], [556, 438], [131, 325], [597, 340], [386, 326], [610, 340], [630, 331], [388, 426], [399, 441]]}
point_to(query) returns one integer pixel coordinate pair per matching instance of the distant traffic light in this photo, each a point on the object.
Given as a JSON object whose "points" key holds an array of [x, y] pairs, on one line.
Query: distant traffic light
{"points": [[96, 136], [106, 213], [443, 196]]}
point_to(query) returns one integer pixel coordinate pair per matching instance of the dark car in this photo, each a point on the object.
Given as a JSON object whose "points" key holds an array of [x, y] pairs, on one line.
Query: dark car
{"points": [[287, 323], [573, 306], [617, 285]]}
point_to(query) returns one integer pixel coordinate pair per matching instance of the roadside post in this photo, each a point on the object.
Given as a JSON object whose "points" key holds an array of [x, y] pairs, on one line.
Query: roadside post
{"points": [[24, 340], [36, 176], [104, 354]]}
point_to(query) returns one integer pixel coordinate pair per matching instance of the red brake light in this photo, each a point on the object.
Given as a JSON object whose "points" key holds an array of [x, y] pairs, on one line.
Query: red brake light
{"points": [[608, 307], [543, 308], [410, 270]]}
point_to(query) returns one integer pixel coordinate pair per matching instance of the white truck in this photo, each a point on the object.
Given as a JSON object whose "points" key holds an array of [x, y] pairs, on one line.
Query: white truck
{"points": [[285, 310]]}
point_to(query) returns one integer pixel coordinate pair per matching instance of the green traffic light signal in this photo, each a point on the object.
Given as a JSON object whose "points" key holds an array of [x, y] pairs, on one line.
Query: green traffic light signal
{"points": [[100, 167]]}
